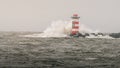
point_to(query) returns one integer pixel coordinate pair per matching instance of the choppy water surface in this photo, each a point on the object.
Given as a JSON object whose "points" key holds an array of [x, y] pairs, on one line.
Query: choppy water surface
{"points": [[18, 51]]}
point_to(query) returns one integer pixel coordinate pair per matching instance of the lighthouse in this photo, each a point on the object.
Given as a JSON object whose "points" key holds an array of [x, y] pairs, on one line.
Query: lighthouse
{"points": [[75, 25]]}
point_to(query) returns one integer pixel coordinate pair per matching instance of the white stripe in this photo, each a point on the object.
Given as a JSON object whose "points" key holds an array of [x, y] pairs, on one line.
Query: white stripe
{"points": [[76, 24], [75, 29], [76, 20]]}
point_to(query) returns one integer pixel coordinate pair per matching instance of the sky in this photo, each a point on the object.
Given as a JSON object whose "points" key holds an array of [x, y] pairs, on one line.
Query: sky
{"points": [[37, 15]]}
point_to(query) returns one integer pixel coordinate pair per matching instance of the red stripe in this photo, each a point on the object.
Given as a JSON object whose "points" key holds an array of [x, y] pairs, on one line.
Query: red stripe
{"points": [[75, 22], [76, 27], [74, 32]]}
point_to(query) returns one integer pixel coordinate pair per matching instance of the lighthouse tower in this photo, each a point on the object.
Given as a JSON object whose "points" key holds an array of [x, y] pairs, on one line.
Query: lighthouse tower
{"points": [[75, 25]]}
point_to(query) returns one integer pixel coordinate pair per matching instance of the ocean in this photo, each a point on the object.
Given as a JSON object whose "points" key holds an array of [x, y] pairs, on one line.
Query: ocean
{"points": [[17, 51]]}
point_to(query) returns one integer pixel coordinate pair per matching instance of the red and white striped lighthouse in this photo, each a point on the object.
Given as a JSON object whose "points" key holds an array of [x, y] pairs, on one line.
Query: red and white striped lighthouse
{"points": [[75, 24]]}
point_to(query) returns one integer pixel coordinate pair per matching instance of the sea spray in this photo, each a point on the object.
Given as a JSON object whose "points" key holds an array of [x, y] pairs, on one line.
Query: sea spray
{"points": [[63, 29], [60, 29]]}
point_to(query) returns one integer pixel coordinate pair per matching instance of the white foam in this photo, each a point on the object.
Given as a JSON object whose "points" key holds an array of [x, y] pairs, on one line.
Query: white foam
{"points": [[100, 36], [63, 29], [56, 29]]}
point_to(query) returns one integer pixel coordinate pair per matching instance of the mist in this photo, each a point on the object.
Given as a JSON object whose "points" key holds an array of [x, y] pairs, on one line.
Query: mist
{"points": [[37, 15]]}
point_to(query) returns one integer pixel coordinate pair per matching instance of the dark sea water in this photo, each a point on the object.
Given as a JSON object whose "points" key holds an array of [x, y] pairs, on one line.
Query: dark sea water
{"points": [[17, 51]]}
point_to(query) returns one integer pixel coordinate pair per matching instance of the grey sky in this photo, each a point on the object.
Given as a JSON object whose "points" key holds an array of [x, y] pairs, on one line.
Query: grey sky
{"points": [[36, 15]]}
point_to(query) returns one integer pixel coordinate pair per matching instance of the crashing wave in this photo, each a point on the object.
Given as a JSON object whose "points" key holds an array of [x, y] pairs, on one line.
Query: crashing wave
{"points": [[63, 29]]}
